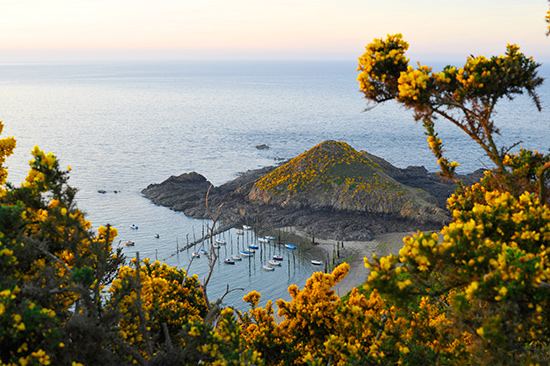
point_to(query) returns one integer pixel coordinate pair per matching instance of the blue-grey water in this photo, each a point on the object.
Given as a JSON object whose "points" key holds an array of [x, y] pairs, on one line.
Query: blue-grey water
{"points": [[122, 126]]}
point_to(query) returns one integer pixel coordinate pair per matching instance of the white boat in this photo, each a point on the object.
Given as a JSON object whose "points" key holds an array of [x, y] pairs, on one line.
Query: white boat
{"points": [[216, 245], [273, 262], [195, 255], [246, 253], [268, 268], [228, 261], [220, 241], [290, 246], [252, 246], [316, 262], [246, 227], [236, 257], [157, 236], [239, 232], [263, 240], [133, 227], [269, 237]]}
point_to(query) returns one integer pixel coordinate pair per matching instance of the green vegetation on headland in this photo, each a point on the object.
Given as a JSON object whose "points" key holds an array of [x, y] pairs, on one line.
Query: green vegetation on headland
{"points": [[333, 175]]}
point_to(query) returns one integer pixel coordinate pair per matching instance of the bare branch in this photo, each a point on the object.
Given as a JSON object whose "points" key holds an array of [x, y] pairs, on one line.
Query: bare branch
{"points": [[442, 303], [228, 291], [213, 257], [168, 341]]}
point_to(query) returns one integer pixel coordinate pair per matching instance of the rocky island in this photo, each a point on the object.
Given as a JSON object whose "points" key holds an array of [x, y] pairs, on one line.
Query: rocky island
{"points": [[331, 191]]}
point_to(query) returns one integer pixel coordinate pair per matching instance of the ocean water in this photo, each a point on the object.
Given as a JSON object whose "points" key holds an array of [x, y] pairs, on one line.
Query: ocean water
{"points": [[122, 126]]}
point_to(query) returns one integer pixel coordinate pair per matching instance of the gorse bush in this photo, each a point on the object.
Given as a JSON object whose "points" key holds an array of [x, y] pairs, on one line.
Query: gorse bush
{"points": [[488, 270], [66, 297], [168, 300], [53, 270]]}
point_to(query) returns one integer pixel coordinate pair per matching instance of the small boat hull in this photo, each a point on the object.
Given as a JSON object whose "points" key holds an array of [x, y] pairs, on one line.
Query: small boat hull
{"points": [[195, 255], [273, 262], [247, 253], [220, 242], [268, 268], [236, 258], [316, 262], [228, 261], [130, 243], [277, 258], [252, 246], [290, 246]]}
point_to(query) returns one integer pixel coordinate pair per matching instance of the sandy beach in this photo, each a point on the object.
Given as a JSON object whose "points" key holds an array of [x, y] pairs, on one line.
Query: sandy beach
{"points": [[354, 252]]}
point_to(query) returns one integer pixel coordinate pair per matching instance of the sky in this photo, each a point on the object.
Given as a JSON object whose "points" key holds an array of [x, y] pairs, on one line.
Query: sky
{"points": [[90, 30]]}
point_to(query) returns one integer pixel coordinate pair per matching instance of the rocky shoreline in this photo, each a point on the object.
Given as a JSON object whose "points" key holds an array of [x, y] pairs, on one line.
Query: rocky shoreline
{"points": [[187, 192]]}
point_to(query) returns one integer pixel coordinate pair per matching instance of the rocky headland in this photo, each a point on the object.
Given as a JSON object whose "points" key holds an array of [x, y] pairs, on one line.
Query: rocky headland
{"points": [[331, 191]]}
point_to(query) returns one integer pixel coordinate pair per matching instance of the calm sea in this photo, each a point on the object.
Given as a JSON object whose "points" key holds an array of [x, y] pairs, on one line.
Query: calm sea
{"points": [[122, 126]]}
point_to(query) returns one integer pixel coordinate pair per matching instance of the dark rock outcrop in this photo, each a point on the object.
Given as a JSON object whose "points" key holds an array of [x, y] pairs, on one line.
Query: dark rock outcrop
{"points": [[327, 209], [179, 193]]}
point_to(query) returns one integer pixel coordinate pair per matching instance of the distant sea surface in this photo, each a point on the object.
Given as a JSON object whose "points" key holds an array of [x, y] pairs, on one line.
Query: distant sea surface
{"points": [[122, 126]]}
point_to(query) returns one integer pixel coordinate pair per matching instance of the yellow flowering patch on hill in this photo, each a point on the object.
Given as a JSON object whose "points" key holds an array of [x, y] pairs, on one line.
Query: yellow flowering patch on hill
{"points": [[334, 175], [329, 164]]}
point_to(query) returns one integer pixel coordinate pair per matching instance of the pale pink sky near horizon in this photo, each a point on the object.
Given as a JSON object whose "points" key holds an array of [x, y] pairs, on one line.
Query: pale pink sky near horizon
{"points": [[92, 30]]}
